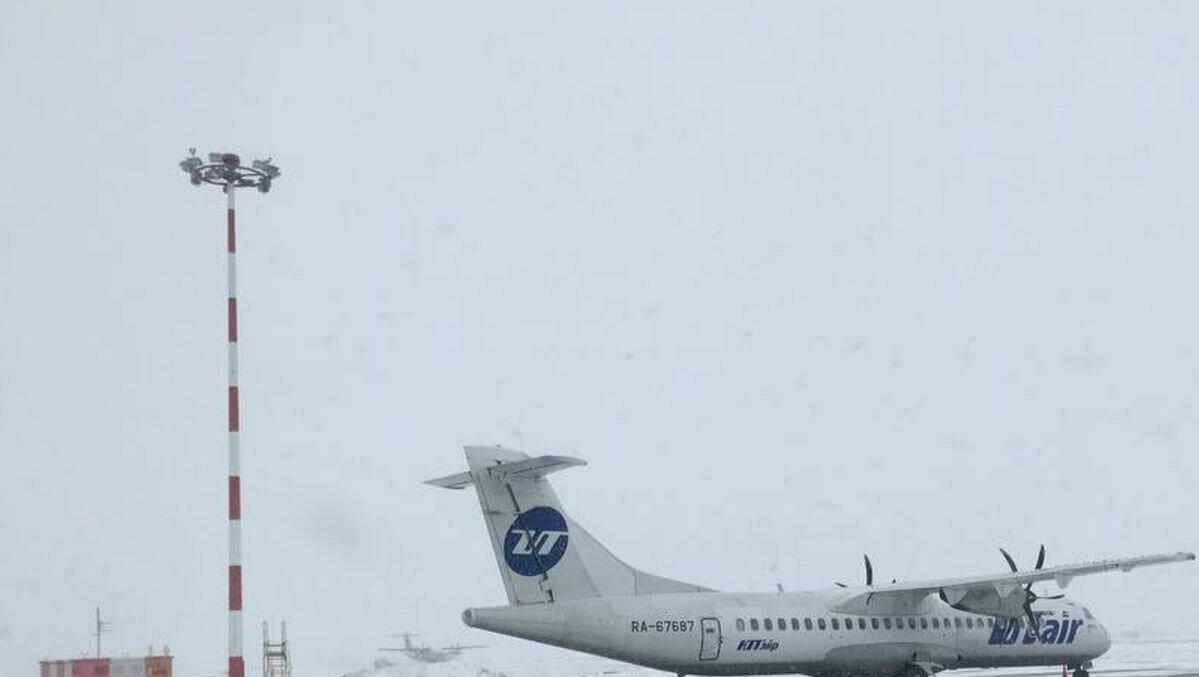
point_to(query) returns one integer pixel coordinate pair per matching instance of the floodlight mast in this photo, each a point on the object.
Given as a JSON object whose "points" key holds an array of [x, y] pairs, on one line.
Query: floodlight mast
{"points": [[227, 171]]}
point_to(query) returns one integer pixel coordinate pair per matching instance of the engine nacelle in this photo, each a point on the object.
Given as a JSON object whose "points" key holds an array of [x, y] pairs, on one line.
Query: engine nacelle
{"points": [[987, 602]]}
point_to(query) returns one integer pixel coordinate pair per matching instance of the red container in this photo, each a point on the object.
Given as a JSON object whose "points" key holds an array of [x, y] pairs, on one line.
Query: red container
{"points": [[155, 666], [158, 666], [89, 667]]}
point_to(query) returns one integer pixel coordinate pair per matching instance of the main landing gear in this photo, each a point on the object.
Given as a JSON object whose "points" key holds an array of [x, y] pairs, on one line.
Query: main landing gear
{"points": [[1082, 670]]}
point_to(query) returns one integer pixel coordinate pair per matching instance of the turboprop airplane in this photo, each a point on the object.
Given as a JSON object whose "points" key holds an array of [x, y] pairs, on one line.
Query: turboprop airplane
{"points": [[427, 654], [567, 590]]}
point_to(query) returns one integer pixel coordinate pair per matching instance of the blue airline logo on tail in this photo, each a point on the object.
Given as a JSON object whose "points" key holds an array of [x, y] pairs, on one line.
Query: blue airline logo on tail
{"points": [[536, 541]]}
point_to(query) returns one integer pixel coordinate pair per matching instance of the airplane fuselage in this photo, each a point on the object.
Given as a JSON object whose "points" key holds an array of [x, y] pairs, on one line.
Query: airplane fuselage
{"points": [[756, 634], [566, 589]]}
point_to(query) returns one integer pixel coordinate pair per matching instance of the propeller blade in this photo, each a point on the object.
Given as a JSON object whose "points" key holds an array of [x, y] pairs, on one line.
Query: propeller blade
{"points": [[1040, 557], [869, 571], [1032, 619], [1010, 562]]}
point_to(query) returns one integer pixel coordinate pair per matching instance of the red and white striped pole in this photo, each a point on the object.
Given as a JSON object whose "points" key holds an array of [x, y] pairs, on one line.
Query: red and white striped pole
{"points": [[237, 665], [227, 171]]}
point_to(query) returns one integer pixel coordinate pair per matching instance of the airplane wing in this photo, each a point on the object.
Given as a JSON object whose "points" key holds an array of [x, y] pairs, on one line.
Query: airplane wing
{"points": [[462, 647], [1002, 595], [397, 648]]}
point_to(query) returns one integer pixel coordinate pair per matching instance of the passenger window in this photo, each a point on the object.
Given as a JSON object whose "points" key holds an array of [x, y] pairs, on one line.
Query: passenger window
{"points": [[807, 623], [794, 623], [767, 624], [836, 625], [912, 623], [991, 622], [936, 623], [887, 623], [970, 622], [945, 622], [753, 624], [957, 621], [924, 624], [782, 624], [874, 623], [861, 624], [820, 623], [740, 625]]}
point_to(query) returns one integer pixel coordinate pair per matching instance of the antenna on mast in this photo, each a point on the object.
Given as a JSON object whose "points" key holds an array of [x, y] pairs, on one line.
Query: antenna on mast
{"points": [[101, 627]]}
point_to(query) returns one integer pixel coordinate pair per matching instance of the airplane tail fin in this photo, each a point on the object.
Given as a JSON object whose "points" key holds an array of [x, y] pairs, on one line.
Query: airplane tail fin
{"points": [[543, 554]]}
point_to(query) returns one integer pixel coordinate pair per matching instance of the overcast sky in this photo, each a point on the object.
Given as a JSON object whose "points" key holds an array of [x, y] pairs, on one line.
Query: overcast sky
{"points": [[800, 281]]}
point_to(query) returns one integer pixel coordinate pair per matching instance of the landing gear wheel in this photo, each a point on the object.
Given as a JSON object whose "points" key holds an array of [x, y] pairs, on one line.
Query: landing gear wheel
{"points": [[1079, 672]]}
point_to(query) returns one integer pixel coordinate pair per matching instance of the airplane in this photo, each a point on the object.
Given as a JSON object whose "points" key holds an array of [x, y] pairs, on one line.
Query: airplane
{"points": [[427, 654], [566, 589]]}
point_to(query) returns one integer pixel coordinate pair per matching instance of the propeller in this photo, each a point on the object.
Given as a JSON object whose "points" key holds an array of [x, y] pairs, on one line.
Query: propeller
{"points": [[869, 574], [1029, 595]]}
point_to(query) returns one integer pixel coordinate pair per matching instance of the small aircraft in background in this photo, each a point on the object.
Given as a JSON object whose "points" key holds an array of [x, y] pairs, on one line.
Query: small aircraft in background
{"points": [[427, 654]]}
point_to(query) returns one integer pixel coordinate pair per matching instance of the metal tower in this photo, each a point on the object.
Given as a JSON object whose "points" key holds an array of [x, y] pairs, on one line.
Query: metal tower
{"points": [[275, 660]]}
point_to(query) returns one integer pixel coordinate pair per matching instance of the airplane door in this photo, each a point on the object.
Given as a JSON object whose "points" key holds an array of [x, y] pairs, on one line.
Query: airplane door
{"points": [[709, 647]]}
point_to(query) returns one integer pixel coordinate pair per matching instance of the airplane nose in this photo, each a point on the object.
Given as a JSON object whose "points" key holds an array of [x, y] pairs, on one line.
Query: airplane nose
{"points": [[1104, 639]]}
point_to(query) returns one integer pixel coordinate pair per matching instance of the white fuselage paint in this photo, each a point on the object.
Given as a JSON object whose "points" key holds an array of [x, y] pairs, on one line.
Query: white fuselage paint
{"points": [[669, 632]]}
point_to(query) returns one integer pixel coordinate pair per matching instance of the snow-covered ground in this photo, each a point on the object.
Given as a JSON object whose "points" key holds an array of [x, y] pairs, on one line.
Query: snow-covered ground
{"points": [[388, 667], [1127, 658]]}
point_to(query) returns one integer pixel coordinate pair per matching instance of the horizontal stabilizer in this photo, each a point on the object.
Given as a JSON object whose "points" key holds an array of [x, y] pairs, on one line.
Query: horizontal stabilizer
{"points": [[531, 467], [535, 467]]}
